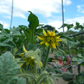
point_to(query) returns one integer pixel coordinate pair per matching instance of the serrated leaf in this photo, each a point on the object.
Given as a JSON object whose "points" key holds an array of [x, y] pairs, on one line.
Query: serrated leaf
{"points": [[8, 67], [15, 31], [7, 40], [16, 80], [33, 20], [68, 38], [21, 81], [79, 55], [5, 44]]}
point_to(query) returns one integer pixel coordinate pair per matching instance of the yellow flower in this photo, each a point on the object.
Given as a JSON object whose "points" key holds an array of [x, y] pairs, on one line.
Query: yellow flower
{"points": [[30, 60], [49, 39], [42, 83], [21, 65], [24, 49], [31, 57], [41, 64], [22, 54]]}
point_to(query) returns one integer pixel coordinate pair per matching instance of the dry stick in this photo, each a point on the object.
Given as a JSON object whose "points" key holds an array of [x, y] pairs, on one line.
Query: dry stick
{"points": [[62, 15], [63, 31], [11, 15], [11, 20]]}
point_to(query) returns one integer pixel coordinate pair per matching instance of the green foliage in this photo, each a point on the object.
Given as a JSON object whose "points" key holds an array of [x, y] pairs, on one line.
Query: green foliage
{"points": [[6, 39], [14, 38], [60, 53], [9, 70], [35, 55], [67, 76], [33, 21], [78, 79], [44, 56], [78, 58], [53, 70], [69, 26], [42, 77], [78, 26], [33, 24], [48, 80], [1, 26]]}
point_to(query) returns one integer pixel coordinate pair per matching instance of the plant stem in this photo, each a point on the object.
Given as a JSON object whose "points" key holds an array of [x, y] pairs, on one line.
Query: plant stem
{"points": [[46, 59], [57, 75], [34, 70], [32, 36], [28, 75]]}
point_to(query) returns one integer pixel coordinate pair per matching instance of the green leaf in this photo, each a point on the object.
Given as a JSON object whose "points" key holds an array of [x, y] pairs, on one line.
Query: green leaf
{"points": [[7, 40], [33, 21], [44, 56], [8, 67], [78, 26], [67, 25], [49, 27], [33, 24], [79, 55], [1, 26], [50, 59], [5, 44], [15, 31], [77, 59], [66, 37], [79, 79], [21, 81], [16, 80], [63, 25], [39, 30], [60, 53]]}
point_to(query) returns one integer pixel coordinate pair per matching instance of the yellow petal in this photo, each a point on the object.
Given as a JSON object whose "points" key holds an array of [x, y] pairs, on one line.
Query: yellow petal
{"points": [[47, 44], [41, 64], [56, 44], [49, 33], [21, 65], [44, 32], [35, 61], [53, 45], [57, 36], [59, 39], [42, 83], [36, 76], [41, 37], [53, 33], [25, 59], [42, 42], [48, 38], [32, 57], [22, 54], [24, 49]]}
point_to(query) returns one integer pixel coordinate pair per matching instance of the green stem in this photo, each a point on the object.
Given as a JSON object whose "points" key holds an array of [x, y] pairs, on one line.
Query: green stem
{"points": [[62, 52], [28, 75], [32, 36], [57, 75], [46, 59], [34, 70], [42, 77]]}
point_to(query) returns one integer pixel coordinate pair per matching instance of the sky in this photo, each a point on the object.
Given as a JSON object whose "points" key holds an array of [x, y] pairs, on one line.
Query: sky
{"points": [[49, 12]]}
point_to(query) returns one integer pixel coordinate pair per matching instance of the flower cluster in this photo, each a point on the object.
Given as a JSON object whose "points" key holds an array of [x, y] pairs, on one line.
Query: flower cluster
{"points": [[31, 57], [49, 39]]}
